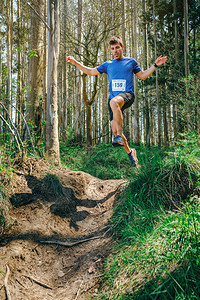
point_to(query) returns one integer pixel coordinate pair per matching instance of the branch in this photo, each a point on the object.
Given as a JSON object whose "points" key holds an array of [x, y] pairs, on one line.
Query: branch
{"points": [[27, 127], [14, 128], [45, 23], [8, 296], [8, 125], [38, 282], [70, 244]]}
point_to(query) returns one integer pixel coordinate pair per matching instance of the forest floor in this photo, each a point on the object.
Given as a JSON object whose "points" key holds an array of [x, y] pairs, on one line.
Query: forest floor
{"points": [[58, 244]]}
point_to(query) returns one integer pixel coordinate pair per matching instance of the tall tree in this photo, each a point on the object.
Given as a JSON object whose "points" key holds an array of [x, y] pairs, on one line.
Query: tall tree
{"points": [[9, 57], [126, 113], [78, 98], [175, 130], [19, 64], [147, 121], [64, 125], [157, 88], [136, 135], [36, 69], [186, 56], [52, 140]]}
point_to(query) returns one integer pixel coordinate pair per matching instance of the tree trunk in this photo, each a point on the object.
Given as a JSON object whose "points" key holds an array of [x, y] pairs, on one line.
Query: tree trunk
{"points": [[186, 57], [9, 58], [175, 125], [105, 102], [145, 84], [18, 117], [64, 125], [78, 98], [45, 74], [166, 140], [35, 95], [52, 141], [136, 136], [126, 112], [88, 104], [157, 88], [1, 79], [105, 120]]}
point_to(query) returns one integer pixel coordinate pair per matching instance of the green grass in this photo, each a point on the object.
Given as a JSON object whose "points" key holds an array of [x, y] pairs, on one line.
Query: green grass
{"points": [[104, 161], [156, 222], [6, 159], [156, 225], [162, 262]]}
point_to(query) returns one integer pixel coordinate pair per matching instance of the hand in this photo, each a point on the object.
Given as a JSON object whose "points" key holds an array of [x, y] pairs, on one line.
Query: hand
{"points": [[71, 59], [161, 60]]}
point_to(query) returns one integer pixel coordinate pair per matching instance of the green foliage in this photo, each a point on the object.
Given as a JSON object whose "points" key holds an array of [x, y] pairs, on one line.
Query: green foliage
{"points": [[163, 262], [33, 52], [5, 220], [102, 161], [157, 223], [186, 95]]}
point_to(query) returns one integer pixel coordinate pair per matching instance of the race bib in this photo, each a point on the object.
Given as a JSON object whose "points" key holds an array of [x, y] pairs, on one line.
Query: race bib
{"points": [[118, 85]]}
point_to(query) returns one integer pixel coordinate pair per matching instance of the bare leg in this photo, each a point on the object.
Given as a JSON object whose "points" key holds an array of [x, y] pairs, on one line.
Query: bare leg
{"points": [[126, 146], [116, 124], [116, 104]]}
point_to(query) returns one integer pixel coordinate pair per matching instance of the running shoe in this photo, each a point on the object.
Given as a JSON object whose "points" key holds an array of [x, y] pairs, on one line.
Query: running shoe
{"points": [[118, 141], [133, 158]]}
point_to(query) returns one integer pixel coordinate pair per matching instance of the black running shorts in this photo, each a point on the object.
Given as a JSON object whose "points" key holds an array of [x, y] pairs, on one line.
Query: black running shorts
{"points": [[128, 101]]}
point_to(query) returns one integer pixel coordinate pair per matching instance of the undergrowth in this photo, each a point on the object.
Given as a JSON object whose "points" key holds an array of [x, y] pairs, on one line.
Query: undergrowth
{"points": [[6, 159], [104, 161], [156, 224]]}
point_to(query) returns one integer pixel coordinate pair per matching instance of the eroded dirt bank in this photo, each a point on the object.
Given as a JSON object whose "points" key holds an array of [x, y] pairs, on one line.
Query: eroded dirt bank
{"points": [[58, 244]]}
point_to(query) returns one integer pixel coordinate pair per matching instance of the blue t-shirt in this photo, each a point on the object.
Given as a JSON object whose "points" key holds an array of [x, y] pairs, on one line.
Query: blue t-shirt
{"points": [[120, 74]]}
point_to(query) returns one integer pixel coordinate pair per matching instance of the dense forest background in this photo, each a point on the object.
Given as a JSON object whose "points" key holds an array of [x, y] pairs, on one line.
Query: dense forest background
{"points": [[44, 99], [48, 108]]}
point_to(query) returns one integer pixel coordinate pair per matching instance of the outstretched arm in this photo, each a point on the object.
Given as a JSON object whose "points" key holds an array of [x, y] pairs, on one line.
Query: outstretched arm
{"points": [[145, 74], [86, 70]]}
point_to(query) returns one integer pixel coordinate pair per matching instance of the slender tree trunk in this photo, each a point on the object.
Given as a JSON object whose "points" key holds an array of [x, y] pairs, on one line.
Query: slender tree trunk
{"points": [[105, 102], [145, 67], [136, 136], [64, 125], [89, 114], [169, 123], [9, 57], [78, 98], [186, 57], [52, 141], [157, 88], [1, 82], [126, 112], [35, 96], [45, 74], [105, 120], [19, 65], [165, 126], [175, 125], [88, 104]]}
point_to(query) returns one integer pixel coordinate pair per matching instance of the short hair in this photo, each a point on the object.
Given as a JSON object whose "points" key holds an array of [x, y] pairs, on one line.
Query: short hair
{"points": [[115, 40]]}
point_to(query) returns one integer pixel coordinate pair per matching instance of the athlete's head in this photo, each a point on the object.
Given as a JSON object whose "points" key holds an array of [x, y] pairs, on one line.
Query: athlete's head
{"points": [[115, 39], [116, 47]]}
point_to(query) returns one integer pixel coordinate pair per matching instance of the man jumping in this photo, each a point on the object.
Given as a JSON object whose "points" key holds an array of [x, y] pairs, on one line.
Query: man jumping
{"points": [[120, 75]]}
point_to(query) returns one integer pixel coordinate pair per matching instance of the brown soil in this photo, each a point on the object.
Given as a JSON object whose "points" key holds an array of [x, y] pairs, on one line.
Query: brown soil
{"points": [[58, 243]]}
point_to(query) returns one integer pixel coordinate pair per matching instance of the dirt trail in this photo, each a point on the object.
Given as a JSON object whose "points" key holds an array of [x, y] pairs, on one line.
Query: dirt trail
{"points": [[58, 244]]}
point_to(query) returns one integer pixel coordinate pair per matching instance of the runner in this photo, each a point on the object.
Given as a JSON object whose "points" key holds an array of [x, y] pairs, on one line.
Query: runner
{"points": [[120, 75]]}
